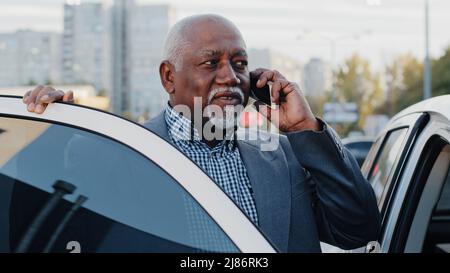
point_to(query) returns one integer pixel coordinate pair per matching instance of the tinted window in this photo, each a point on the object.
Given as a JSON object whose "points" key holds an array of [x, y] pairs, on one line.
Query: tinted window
{"points": [[385, 162], [362, 145], [132, 205], [444, 202]]}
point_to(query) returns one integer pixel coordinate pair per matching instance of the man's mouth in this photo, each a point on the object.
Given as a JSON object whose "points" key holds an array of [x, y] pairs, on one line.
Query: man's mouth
{"points": [[227, 98]]}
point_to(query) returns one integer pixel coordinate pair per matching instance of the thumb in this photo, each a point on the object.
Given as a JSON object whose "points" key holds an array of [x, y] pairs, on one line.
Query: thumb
{"points": [[271, 114]]}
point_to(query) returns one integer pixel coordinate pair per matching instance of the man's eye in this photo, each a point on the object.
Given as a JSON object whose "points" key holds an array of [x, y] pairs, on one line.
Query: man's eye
{"points": [[211, 62], [241, 63]]}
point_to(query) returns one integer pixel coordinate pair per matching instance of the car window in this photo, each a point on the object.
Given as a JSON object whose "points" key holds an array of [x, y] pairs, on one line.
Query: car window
{"points": [[437, 237], [443, 205], [132, 204], [362, 145], [383, 165]]}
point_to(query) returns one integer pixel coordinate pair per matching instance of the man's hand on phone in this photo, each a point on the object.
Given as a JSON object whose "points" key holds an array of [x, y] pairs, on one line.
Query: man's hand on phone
{"points": [[38, 98], [293, 113]]}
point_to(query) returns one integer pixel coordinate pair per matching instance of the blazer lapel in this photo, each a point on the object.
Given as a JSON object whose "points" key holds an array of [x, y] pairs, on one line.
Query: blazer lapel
{"points": [[158, 126], [270, 180]]}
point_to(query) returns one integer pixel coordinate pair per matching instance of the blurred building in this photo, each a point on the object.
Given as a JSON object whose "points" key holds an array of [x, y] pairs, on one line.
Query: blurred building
{"points": [[148, 27], [318, 78], [29, 57], [286, 65], [84, 33], [117, 47], [137, 34]]}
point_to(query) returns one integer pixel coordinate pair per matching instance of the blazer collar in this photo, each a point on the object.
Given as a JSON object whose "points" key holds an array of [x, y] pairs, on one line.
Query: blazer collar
{"points": [[270, 178]]}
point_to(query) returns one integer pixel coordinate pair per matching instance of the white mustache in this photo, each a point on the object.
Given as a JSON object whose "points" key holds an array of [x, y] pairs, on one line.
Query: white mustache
{"points": [[233, 90]]}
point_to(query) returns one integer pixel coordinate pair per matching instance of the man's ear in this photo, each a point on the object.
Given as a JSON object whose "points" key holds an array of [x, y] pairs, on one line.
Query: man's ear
{"points": [[166, 70]]}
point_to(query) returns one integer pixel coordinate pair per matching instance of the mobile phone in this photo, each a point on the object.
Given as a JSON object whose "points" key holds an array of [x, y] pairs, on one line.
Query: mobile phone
{"points": [[261, 94]]}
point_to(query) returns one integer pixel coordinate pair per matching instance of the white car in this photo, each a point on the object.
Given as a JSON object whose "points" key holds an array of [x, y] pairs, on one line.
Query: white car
{"points": [[76, 179], [408, 168]]}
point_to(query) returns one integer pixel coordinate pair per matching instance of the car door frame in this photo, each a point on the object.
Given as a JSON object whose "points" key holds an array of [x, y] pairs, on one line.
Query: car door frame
{"points": [[230, 218], [406, 170]]}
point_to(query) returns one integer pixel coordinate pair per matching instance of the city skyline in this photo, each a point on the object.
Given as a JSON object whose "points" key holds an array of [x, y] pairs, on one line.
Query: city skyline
{"points": [[400, 22]]}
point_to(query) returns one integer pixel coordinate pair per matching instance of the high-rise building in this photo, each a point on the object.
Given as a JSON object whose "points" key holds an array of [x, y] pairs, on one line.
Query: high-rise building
{"points": [[117, 55], [29, 57], [318, 78], [137, 37], [83, 44]]}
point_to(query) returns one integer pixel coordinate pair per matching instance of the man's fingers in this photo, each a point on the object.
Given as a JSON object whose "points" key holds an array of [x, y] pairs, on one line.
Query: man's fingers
{"points": [[280, 89], [257, 72], [26, 97], [30, 107], [68, 97], [35, 93], [40, 108], [44, 92], [268, 76], [38, 99], [50, 95], [265, 77]]}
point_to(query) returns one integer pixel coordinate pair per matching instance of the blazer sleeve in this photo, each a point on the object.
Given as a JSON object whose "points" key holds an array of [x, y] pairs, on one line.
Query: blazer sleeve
{"points": [[344, 203]]}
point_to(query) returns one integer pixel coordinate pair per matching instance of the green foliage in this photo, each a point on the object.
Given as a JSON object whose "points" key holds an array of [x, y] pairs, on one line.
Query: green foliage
{"points": [[356, 83], [404, 84], [441, 75], [405, 81]]}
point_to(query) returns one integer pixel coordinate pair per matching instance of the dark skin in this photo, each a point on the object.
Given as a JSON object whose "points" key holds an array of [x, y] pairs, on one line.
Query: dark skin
{"points": [[212, 61], [215, 57]]}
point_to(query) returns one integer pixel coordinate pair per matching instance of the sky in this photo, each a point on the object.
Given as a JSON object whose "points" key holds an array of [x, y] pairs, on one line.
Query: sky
{"points": [[296, 28]]}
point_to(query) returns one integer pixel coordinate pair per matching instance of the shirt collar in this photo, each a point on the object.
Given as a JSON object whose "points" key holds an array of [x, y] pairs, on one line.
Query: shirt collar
{"points": [[181, 130]]}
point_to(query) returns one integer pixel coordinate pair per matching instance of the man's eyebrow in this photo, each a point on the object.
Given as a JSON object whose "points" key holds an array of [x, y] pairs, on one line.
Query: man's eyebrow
{"points": [[215, 53], [241, 53], [210, 52]]}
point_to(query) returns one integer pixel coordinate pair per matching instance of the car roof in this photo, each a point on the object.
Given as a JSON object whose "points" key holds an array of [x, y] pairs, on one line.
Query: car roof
{"points": [[439, 104]]}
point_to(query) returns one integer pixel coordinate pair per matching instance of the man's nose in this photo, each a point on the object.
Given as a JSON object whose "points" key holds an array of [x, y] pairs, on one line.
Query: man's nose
{"points": [[227, 76]]}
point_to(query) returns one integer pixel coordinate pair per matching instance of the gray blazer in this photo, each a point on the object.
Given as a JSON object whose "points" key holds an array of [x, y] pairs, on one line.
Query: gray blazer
{"points": [[309, 188]]}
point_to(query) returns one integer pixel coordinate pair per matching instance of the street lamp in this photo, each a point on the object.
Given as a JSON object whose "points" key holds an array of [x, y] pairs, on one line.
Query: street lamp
{"points": [[426, 66], [332, 41]]}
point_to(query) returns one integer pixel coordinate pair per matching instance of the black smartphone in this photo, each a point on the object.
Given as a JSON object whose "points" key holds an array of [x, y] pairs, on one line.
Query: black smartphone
{"points": [[262, 94]]}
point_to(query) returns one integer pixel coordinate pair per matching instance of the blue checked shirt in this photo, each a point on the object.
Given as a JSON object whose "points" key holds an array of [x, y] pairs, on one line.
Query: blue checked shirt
{"points": [[223, 162]]}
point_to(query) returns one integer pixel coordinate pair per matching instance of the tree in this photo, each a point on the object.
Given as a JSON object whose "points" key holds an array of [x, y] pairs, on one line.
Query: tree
{"points": [[356, 83], [404, 83], [441, 75]]}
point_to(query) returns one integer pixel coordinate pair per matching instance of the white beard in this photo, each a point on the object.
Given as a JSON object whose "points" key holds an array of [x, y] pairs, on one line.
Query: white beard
{"points": [[227, 120]]}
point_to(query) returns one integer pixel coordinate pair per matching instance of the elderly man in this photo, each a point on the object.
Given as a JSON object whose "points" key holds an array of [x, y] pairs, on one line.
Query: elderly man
{"points": [[308, 188]]}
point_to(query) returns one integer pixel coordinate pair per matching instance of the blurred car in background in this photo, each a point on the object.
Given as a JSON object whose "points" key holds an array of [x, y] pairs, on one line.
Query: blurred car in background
{"points": [[408, 168], [359, 146]]}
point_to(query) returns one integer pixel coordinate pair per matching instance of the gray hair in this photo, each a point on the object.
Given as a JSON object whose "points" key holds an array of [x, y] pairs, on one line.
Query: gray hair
{"points": [[176, 42]]}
